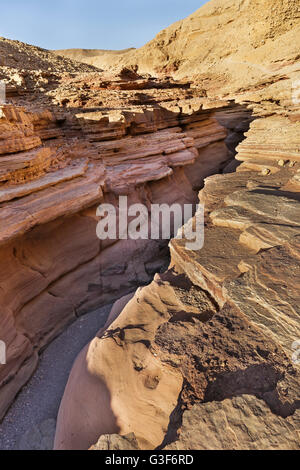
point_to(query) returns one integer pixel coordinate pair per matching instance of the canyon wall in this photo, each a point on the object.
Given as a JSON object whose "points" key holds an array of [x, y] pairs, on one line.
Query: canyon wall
{"points": [[206, 354], [57, 164], [209, 348]]}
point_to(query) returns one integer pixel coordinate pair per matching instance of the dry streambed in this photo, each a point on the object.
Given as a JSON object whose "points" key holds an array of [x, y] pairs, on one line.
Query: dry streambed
{"points": [[30, 422]]}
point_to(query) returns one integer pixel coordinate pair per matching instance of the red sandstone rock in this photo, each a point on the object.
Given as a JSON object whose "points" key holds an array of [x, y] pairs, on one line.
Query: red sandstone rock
{"points": [[203, 354]]}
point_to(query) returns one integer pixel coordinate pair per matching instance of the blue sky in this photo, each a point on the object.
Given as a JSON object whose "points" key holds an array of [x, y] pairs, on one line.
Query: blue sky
{"points": [[102, 24]]}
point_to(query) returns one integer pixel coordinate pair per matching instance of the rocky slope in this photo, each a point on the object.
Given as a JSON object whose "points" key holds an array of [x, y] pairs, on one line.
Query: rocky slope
{"points": [[206, 349], [100, 58], [78, 139], [228, 45]]}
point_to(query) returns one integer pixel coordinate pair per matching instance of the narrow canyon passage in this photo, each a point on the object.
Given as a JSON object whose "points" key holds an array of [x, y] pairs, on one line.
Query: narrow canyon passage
{"points": [[31, 420], [99, 275], [50, 254]]}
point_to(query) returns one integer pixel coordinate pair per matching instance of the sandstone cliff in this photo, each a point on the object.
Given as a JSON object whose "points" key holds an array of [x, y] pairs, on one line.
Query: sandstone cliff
{"points": [[227, 45], [204, 351]]}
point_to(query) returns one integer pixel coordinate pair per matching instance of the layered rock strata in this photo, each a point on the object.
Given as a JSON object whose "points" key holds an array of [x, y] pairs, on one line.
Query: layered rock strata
{"points": [[207, 350], [58, 162]]}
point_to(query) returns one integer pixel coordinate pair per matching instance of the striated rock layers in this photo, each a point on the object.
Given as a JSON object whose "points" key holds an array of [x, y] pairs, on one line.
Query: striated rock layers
{"points": [[204, 355], [226, 46], [81, 139]]}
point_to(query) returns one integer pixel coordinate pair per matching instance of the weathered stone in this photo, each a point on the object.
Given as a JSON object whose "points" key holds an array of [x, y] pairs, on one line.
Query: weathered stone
{"points": [[49, 194], [209, 346], [240, 423]]}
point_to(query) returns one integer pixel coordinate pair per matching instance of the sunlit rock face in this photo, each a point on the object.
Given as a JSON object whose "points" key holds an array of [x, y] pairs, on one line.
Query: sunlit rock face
{"points": [[62, 153], [205, 352], [227, 46], [218, 330], [209, 350]]}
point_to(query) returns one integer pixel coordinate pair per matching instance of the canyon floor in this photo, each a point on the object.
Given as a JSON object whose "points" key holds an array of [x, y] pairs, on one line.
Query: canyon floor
{"points": [[30, 423], [205, 351]]}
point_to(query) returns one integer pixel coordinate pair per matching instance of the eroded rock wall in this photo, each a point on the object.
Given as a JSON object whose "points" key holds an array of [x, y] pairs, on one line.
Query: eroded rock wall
{"points": [[226, 46], [207, 349], [56, 166]]}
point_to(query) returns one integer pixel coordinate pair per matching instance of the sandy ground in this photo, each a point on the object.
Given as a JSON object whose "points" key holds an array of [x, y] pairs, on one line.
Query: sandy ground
{"points": [[30, 422]]}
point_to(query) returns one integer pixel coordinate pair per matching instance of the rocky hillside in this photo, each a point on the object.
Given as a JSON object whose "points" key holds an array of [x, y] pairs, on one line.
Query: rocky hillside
{"points": [[16, 55], [230, 45], [208, 350]]}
